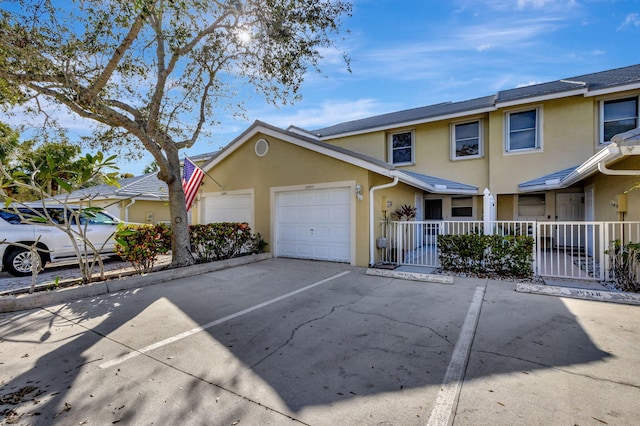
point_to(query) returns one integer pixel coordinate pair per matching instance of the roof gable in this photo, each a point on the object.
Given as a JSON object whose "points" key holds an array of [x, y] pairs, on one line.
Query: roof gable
{"points": [[375, 165]]}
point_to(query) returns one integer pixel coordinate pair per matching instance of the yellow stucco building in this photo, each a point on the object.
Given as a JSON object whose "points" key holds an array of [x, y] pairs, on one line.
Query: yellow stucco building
{"points": [[545, 152]]}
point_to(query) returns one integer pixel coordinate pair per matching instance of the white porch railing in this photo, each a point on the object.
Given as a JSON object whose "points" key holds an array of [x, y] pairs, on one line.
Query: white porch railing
{"points": [[562, 249]]}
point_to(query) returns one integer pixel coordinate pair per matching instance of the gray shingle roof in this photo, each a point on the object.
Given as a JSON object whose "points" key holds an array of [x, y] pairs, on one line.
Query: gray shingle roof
{"points": [[143, 187], [553, 178], [439, 182], [589, 82], [406, 116]]}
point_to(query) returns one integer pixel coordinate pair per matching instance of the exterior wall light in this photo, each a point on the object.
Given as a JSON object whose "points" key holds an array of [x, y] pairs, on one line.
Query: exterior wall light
{"points": [[358, 192]]}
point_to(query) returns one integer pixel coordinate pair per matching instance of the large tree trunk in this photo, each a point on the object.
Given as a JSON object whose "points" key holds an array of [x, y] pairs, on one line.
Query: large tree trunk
{"points": [[180, 246], [181, 253]]}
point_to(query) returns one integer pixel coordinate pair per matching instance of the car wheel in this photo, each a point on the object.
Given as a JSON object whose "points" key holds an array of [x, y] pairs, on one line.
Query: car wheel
{"points": [[19, 262]]}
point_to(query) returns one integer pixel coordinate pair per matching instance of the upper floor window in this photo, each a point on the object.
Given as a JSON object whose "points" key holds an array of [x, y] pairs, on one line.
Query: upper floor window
{"points": [[617, 116], [523, 130], [466, 140], [401, 148]]}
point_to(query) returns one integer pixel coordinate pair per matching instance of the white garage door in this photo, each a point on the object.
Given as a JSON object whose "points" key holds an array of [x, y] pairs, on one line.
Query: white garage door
{"points": [[314, 224], [228, 207]]}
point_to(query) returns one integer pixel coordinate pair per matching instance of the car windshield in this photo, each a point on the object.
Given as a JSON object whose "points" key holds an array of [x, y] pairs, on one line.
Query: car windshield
{"points": [[24, 214], [96, 218]]}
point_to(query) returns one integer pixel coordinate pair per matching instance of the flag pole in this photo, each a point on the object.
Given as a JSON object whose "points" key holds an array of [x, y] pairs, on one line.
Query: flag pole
{"points": [[206, 174]]}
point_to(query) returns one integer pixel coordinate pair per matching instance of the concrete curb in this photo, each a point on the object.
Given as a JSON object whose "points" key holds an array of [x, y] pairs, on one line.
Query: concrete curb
{"points": [[413, 276], [580, 293], [21, 302]]}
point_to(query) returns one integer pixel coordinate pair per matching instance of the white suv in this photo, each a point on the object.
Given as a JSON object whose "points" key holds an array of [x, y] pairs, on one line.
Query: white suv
{"points": [[100, 228]]}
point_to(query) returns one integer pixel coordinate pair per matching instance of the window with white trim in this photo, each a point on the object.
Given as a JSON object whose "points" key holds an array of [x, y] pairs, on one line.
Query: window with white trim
{"points": [[617, 116], [531, 205], [462, 207], [401, 148], [466, 140], [523, 130]]}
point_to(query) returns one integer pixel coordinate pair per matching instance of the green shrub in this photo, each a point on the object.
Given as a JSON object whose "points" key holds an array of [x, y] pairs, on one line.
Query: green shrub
{"points": [[218, 241], [625, 265], [140, 245], [510, 255]]}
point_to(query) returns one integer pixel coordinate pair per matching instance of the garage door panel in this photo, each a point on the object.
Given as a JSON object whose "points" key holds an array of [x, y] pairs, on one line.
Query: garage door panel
{"points": [[228, 208], [314, 224]]}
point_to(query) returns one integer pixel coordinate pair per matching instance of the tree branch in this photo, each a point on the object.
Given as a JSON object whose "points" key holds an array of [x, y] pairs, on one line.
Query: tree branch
{"points": [[119, 52]]}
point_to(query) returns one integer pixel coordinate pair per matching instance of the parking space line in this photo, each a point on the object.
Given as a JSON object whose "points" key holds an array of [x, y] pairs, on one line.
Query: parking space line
{"points": [[452, 382], [137, 352]]}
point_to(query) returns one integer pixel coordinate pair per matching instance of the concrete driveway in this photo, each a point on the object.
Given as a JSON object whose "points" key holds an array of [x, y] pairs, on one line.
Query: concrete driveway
{"points": [[285, 342]]}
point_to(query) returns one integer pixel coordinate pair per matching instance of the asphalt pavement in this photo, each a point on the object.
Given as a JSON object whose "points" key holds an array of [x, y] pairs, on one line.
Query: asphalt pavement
{"points": [[299, 342]]}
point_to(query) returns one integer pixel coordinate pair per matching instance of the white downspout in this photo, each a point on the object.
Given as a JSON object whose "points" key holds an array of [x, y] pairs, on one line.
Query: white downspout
{"points": [[126, 209], [372, 235]]}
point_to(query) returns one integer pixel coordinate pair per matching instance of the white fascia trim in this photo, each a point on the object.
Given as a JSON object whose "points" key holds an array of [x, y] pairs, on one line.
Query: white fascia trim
{"points": [[613, 89], [605, 154], [409, 123], [295, 141], [587, 168], [429, 188], [303, 132], [577, 92]]}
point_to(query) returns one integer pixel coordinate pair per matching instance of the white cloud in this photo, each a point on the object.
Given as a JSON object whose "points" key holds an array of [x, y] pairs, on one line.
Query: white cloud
{"points": [[529, 83], [509, 5], [324, 114], [632, 20]]}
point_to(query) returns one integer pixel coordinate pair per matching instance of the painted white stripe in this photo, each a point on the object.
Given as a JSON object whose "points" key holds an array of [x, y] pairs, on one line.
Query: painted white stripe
{"points": [[195, 330], [452, 382]]}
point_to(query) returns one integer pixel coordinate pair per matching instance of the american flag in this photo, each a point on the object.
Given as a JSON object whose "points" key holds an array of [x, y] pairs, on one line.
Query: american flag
{"points": [[192, 176]]}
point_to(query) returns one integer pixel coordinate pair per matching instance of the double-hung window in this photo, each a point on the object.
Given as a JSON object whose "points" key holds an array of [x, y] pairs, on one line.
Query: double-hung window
{"points": [[523, 131], [617, 116], [401, 148], [466, 140]]}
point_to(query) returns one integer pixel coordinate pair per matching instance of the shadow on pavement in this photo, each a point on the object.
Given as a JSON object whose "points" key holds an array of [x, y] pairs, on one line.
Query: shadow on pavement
{"points": [[355, 336]]}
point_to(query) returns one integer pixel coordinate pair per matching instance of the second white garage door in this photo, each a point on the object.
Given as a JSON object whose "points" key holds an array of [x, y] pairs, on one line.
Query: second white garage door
{"points": [[314, 224], [228, 207]]}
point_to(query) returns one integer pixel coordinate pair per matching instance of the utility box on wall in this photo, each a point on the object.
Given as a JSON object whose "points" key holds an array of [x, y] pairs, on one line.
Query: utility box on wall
{"points": [[621, 202]]}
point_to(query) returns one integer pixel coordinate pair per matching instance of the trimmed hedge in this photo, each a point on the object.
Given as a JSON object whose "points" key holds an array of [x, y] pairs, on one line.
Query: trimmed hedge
{"points": [[225, 240], [510, 255], [141, 245]]}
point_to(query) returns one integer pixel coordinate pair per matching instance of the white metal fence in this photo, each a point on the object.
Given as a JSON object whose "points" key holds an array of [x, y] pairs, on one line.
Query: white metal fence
{"points": [[562, 249]]}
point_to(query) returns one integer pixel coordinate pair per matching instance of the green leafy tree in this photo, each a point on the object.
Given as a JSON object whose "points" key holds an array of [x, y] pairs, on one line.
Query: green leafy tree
{"points": [[45, 164], [154, 72], [9, 140], [151, 167]]}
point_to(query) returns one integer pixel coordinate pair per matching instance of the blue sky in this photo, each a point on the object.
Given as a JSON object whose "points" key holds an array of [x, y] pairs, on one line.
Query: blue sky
{"points": [[412, 53], [407, 54]]}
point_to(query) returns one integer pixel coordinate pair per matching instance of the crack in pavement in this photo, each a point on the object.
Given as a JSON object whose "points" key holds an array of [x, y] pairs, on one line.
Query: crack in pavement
{"points": [[298, 327], [540, 364], [445, 338]]}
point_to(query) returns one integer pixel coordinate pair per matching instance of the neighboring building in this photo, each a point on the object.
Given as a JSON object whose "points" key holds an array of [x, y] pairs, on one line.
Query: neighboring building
{"points": [[139, 199], [537, 149]]}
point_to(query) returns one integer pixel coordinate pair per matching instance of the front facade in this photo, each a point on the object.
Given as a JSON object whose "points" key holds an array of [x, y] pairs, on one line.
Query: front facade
{"points": [[545, 153]]}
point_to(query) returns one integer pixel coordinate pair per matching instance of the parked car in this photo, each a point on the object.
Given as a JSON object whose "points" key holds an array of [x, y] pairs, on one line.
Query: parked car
{"points": [[17, 226]]}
